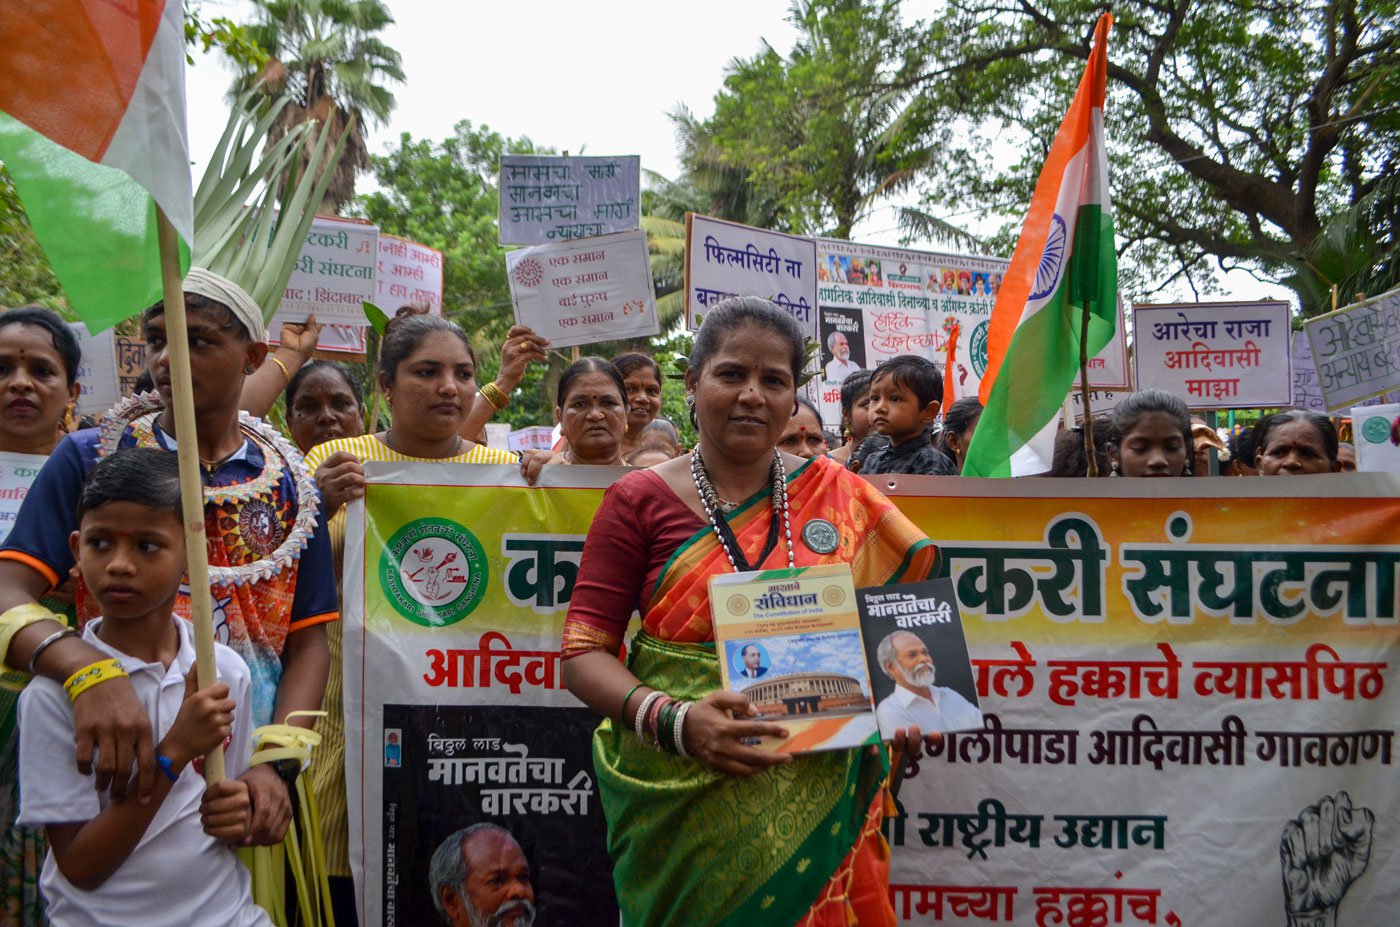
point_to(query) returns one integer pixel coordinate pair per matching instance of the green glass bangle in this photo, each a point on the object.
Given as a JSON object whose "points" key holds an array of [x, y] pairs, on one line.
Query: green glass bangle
{"points": [[622, 715]]}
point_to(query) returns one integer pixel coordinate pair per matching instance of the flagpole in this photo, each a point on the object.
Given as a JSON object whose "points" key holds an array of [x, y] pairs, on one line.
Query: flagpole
{"points": [[191, 486], [1090, 458]]}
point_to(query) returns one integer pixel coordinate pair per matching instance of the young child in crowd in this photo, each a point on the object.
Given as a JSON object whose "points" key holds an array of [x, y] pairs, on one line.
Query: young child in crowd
{"points": [[904, 400], [121, 862]]}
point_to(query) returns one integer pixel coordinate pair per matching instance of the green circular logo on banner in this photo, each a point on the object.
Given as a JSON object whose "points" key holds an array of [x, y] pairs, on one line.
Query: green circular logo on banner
{"points": [[433, 571], [1376, 429], [977, 347]]}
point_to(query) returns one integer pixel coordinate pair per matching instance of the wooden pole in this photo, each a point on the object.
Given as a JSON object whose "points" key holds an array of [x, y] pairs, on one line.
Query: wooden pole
{"points": [[191, 486], [1091, 459]]}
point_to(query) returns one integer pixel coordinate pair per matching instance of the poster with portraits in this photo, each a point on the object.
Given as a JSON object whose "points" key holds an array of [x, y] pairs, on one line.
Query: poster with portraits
{"points": [[462, 745]]}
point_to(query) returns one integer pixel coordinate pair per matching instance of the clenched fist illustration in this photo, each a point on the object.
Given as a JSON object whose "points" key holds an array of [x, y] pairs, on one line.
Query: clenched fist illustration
{"points": [[1323, 850]]}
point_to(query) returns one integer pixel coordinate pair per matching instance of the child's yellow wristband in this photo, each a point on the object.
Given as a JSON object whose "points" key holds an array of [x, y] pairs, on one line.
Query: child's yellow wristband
{"points": [[91, 675]]}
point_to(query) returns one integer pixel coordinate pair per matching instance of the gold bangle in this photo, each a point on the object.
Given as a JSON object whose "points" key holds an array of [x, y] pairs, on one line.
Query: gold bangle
{"points": [[91, 675], [493, 394], [285, 372], [18, 618]]}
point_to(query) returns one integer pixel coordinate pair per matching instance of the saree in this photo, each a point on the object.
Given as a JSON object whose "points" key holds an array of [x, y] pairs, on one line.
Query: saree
{"points": [[793, 844]]}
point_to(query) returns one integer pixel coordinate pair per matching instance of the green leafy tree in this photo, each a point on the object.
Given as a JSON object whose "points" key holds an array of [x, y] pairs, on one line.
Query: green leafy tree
{"points": [[25, 274], [1236, 128], [830, 131], [329, 54]]}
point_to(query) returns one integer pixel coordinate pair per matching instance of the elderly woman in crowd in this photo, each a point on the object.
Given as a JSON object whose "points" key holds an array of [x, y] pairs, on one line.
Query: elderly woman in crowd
{"points": [[735, 503], [803, 437], [323, 404], [591, 410], [1295, 443]]}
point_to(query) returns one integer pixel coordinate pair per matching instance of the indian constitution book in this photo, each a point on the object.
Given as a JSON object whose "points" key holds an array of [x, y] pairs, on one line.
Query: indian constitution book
{"points": [[790, 640], [920, 671]]}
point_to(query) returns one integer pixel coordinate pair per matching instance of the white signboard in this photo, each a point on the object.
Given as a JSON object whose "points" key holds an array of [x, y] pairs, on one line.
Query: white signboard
{"points": [[17, 472], [334, 274], [1357, 350], [1307, 394], [726, 259], [1101, 401], [580, 292], [1215, 355], [533, 438], [546, 199], [407, 272], [97, 374], [1371, 429]]}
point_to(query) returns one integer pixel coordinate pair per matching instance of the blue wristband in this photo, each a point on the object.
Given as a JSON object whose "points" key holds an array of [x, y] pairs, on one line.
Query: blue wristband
{"points": [[168, 768]]}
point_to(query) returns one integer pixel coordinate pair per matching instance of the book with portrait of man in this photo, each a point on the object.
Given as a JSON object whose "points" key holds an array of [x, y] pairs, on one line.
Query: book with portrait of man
{"points": [[920, 672]]}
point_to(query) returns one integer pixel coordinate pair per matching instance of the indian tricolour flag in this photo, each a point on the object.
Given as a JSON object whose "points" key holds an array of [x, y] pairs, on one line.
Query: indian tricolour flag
{"points": [[92, 131], [1063, 266]]}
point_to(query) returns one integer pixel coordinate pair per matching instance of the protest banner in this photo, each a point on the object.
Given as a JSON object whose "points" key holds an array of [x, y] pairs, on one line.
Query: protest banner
{"points": [[724, 259], [1215, 355], [1179, 678], [333, 277], [1357, 350], [842, 335], [544, 198], [407, 272], [97, 372], [455, 708], [1307, 394], [17, 473], [1373, 433], [585, 291], [1178, 681], [909, 301], [1101, 401], [130, 353], [533, 438]]}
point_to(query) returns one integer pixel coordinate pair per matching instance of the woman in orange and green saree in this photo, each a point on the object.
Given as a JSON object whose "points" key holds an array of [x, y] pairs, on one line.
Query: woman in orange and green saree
{"points": [[707, 830]]}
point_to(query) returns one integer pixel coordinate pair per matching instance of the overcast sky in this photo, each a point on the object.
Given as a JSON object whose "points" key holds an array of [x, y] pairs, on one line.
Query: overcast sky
{"points": [[597, 77]]}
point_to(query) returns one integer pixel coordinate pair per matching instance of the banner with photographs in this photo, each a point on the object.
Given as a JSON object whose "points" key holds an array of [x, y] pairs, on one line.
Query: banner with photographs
{"points": [[1189, 703], [878, 302], [456, 714], [1177, 679]]}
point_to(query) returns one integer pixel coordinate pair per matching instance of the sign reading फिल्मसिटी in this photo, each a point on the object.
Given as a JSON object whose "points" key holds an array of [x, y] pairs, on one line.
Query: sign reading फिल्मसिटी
{"points": [[724, 259], [1188, 687]]}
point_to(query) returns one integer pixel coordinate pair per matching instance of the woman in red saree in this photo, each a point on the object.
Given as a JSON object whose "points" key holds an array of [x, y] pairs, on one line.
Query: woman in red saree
{"points": [[715, 832]]}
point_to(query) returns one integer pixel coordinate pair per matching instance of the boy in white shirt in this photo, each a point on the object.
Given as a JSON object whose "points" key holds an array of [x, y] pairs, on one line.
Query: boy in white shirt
{"points": [[168, 861]]}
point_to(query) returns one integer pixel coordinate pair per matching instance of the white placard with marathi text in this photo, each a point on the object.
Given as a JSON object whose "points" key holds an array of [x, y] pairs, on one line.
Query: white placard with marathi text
{"points": [[726, 259], [1356, 350], [334, 275], [407, 272], [97, 374], [585, 291], [533, 438], [552, 199], [1223, 355], [17, 473]]}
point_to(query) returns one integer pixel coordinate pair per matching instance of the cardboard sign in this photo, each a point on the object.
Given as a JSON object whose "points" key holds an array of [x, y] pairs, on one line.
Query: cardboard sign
{"points": [[581, 292], [726, 259], [1357, 350], [407, 272], [97, 374], [1215, 355], [553, 199]]}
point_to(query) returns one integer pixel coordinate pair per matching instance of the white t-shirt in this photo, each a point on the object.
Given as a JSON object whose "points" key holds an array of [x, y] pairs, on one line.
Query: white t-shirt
{"points": [[838, 370], [177, 874], [947, 711]]}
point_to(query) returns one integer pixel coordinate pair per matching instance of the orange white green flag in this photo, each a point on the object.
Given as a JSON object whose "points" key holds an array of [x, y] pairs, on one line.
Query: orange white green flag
{"points": [[92, 131], [1063, 266]]}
